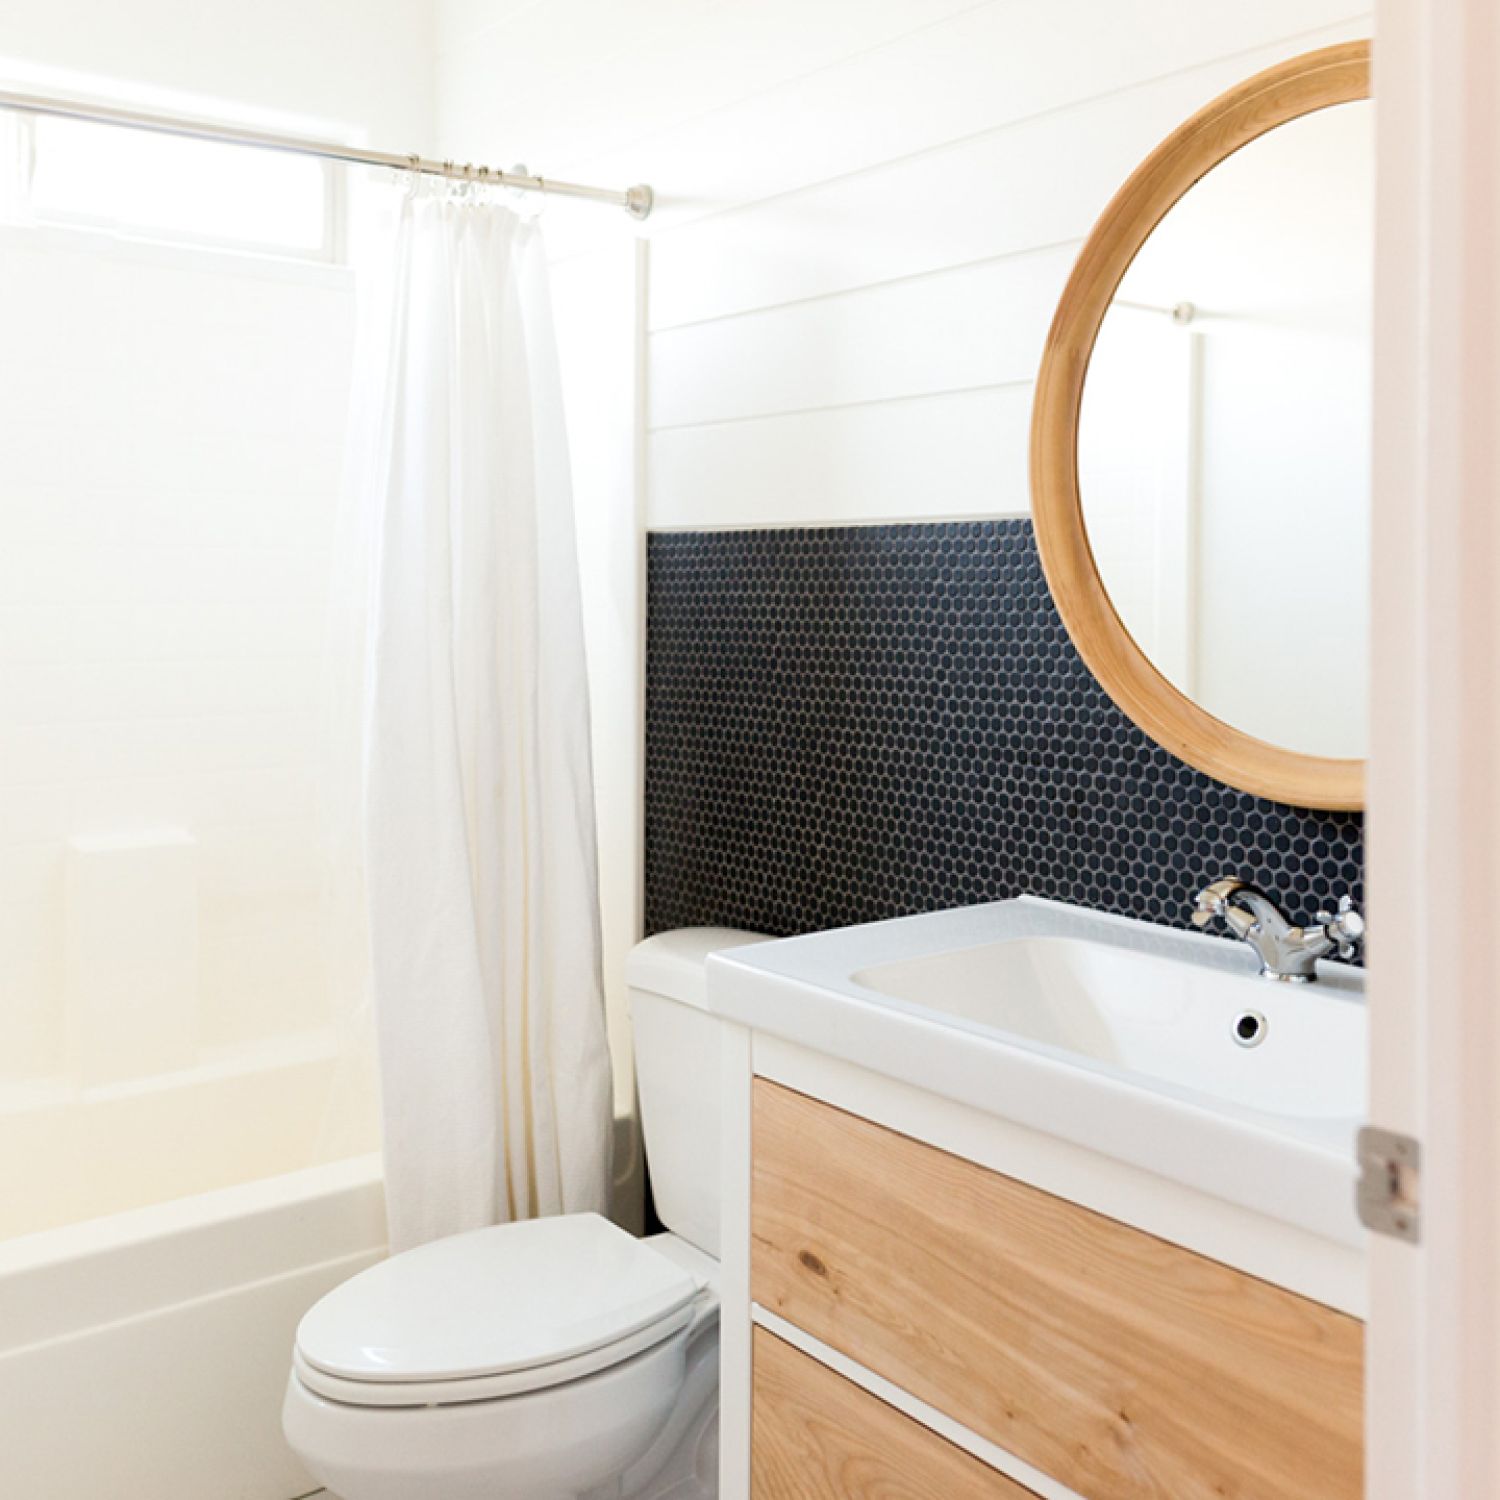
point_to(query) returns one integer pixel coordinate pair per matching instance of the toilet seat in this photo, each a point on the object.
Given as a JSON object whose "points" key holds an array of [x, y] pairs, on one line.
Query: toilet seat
{"points": [[487, 1387], [495, 1312]]}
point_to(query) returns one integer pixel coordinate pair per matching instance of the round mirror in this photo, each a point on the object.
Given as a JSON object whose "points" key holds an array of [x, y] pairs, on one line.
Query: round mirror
{"points": [[1202, 436]]}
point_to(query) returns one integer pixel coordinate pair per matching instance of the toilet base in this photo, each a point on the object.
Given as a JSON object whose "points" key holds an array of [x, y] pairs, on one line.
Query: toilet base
{"points": [[683, 1463]]}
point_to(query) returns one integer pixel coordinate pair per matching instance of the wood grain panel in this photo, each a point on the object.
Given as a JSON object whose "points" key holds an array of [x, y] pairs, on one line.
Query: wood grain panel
{"points": [[1125, 1367], [817, 1436]]}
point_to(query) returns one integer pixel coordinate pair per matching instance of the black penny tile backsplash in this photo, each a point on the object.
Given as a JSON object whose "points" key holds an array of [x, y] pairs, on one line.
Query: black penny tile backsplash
{"points": [[850, 723]]}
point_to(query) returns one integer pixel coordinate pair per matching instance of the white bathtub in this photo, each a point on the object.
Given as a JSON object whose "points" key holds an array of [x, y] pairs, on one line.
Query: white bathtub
{"points": [[143, 1355]]}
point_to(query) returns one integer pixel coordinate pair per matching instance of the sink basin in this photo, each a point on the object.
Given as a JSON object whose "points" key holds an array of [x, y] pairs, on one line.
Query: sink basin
{"points": [[1225, 1035], [1160, 1048]]}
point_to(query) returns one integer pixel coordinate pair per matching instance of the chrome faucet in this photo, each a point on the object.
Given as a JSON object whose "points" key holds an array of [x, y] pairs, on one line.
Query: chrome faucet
{"points": [[1287, 954]]}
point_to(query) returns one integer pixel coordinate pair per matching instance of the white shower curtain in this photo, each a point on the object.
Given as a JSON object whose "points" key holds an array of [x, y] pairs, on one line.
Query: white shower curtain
{"points": [[478, 829]]}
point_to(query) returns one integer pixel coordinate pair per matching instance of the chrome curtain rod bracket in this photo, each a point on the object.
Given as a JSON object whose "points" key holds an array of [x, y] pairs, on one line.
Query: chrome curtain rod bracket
{"points": [[636, 201]]}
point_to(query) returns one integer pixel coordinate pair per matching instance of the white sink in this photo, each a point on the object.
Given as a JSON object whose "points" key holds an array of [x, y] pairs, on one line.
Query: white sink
{"points": [[1120, 1036], [1162, 1019]]}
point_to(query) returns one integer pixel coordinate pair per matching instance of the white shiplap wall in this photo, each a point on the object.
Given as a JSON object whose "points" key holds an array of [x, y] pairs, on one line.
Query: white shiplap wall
{"points": [[866, 212]]}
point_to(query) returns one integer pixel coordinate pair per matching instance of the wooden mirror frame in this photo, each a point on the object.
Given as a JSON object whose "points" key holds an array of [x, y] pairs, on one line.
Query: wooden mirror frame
{"points": [[1314, 81]]}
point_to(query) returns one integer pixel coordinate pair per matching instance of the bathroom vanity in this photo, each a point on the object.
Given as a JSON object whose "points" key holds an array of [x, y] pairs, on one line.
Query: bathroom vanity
{"points": [[1013, 1210]]}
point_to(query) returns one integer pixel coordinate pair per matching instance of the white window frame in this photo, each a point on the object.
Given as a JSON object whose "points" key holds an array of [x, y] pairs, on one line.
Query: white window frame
{"points": [[18, 209]]}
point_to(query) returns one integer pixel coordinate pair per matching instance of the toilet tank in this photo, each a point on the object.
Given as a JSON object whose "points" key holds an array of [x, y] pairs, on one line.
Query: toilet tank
{"points": [[677, 1069]]}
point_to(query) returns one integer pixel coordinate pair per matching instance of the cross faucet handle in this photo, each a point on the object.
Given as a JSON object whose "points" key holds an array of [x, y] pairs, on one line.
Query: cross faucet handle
{"points": [[1345, 927]]}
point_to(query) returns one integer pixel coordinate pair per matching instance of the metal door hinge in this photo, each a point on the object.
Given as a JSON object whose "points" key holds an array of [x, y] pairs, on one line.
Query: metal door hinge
{"points": [[1390, 1180]]}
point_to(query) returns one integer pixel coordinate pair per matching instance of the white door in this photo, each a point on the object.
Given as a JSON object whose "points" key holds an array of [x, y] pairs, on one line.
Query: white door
{"points": [[1434, 821]]}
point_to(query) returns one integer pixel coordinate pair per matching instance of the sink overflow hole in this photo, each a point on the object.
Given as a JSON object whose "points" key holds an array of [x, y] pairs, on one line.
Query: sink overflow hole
{"points": [[1250, 1028]]}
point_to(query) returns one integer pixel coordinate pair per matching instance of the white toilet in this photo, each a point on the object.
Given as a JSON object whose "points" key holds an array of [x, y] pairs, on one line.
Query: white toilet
{"points": [[555, 1359]]}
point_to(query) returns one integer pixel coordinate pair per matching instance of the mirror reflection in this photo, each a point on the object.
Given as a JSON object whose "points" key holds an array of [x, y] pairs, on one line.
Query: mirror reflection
{"points": [[1223, 444]]}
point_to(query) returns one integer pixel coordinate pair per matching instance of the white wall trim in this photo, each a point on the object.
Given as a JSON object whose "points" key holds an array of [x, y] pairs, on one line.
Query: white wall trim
{"points": [[1434, 1354], [844, 522], [734, 1263]]}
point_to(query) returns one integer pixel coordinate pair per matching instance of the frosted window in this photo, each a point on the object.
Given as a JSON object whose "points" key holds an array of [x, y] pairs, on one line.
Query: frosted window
{"points": [[163, 186]]}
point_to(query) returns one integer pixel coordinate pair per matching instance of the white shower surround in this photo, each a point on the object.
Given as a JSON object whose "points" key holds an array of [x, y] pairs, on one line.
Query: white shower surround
{"points": [[141, 1307]]}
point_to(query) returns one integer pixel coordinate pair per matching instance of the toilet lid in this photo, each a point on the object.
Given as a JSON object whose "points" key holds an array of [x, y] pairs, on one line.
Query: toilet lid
{"points": [[508, 1298]]}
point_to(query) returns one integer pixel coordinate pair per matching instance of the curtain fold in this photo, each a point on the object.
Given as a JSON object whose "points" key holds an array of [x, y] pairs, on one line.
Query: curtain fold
{"points": [[478, 822]]}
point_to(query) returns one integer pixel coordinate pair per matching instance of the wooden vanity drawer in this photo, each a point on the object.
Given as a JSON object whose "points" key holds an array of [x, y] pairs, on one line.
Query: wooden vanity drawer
{"points": [[817, 1436], [1125, 1367]]}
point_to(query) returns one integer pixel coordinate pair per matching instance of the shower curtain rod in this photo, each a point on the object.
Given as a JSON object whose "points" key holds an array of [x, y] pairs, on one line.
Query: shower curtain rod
{"points": [[636, 201]]}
